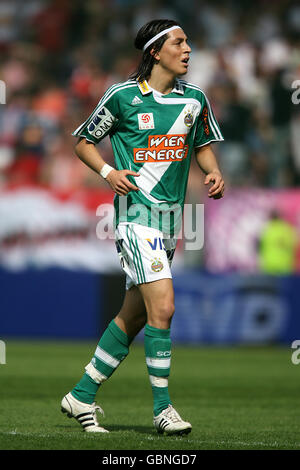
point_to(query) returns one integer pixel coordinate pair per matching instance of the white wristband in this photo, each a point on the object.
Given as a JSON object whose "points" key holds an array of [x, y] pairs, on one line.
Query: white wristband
{"points": [[106, 169]]}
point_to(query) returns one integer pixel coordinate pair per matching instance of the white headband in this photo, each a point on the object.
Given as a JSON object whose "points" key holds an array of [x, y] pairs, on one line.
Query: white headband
{"points": [[159, 35]]}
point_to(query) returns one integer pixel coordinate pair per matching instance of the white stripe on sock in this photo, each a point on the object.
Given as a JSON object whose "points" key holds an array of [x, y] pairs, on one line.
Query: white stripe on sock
{"points": [[107, 358], [158, 363]]}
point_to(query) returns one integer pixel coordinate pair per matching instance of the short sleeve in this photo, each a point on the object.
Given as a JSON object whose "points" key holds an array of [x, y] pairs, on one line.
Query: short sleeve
{"points": [[103, 120], [207, 127]]}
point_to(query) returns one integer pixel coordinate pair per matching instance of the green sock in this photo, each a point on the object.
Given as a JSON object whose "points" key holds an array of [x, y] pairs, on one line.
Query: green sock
{"points": [[86, 389], [111, 350], [158, 359]]}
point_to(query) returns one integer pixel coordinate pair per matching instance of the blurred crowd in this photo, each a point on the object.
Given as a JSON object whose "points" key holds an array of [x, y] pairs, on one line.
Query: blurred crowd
{"points": [[58, 57]]}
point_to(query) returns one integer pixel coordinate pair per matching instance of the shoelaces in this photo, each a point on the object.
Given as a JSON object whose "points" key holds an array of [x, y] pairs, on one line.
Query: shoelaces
{"points": [[172, 414], [93, 412]]}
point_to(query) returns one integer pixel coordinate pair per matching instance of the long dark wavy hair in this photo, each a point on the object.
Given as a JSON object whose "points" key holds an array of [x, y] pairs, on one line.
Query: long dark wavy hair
{"points": [[147, 32]]}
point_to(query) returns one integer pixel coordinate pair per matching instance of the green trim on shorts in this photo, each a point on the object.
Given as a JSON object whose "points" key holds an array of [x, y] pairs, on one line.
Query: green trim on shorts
{"points": [[140, 257], [133, 250]]}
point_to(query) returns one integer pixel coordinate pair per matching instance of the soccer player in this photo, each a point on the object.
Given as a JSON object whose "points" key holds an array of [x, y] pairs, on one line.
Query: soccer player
{"points": [[155, 121]]}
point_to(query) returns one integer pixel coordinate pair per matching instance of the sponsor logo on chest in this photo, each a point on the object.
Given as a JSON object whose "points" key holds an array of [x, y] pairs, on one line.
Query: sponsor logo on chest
{"points": [[162, 148]]}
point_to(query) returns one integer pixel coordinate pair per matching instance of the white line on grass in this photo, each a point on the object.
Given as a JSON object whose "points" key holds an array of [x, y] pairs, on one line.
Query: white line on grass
{"points": [[152, 438], [53, 434], [232, 443]]}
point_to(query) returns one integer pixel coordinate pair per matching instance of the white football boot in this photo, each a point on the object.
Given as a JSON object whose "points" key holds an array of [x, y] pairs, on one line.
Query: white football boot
{"points": [[84, 413], [170, 422]]}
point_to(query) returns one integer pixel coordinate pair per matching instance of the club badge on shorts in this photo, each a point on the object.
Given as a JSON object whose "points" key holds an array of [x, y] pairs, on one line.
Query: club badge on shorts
{"points": [[157, 265]]}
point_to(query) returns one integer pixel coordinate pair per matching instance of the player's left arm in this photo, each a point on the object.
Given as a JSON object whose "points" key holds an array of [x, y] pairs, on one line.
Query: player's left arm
{"points": [[207, 161]]}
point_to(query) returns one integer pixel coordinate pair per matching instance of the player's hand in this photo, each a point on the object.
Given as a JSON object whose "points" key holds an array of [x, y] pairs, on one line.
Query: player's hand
{"points": [[216, 191], [119, 183]]}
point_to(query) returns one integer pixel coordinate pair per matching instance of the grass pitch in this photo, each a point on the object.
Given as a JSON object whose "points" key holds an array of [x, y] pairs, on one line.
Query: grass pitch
{"points": [[235, 397]]}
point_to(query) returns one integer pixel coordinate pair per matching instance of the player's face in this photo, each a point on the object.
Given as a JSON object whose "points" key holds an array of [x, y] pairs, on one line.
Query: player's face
{"points": [[175, 52]]}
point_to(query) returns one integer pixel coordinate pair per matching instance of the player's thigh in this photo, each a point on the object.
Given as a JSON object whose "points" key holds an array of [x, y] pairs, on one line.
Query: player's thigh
{"points": [[132, 316], [158, 297]]}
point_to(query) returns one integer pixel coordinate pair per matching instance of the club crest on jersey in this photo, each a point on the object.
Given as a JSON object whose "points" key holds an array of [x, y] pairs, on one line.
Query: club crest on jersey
{"points": [[190, 114], [157, 265], [146, 121], [188, 120], [162, 148]]}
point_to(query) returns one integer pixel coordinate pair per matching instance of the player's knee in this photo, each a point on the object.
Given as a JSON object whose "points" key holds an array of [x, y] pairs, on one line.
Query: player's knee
{"points": [[166, 310]]}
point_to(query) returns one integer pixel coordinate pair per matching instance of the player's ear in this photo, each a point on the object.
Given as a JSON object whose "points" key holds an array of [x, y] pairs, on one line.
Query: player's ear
{"points": [[155, 54]]}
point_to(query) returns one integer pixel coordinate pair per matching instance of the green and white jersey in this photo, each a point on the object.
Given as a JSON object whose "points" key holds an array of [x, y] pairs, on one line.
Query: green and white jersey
{"points": [[153, 135]]}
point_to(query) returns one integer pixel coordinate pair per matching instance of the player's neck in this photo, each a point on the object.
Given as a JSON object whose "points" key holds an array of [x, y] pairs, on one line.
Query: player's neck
{"points": [[161, 80]]}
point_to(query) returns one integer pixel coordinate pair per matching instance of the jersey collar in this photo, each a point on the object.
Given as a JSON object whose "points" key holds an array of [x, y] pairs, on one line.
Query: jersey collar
{"points": [[145, 89]]}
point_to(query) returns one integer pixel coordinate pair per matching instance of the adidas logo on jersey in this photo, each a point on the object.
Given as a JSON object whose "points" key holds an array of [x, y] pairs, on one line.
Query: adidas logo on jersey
{"points": [[136, 100]]}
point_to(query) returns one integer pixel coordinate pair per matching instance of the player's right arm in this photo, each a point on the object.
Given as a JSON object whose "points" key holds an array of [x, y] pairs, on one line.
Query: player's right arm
{"points": [[102, 122], [117, 179]]}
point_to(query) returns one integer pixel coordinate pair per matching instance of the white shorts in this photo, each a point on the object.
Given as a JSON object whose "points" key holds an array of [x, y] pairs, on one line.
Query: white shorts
{"points": [[145, 255]]}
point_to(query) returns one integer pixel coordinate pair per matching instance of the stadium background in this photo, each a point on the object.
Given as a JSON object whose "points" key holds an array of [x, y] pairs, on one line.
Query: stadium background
{"points": [[58, 280]]}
